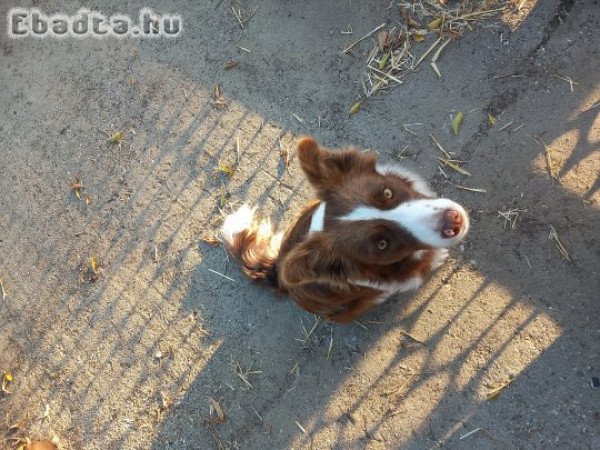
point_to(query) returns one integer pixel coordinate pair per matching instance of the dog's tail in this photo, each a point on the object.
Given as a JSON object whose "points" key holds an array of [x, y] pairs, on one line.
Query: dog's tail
{"points": [[253, 245]]}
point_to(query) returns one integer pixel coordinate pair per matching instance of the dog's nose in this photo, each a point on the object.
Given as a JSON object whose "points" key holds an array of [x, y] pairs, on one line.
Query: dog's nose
{"points": [[452, 223]]}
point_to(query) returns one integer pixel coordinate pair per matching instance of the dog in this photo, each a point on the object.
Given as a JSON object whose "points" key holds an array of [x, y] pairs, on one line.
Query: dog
{"points": [[374, 230]]}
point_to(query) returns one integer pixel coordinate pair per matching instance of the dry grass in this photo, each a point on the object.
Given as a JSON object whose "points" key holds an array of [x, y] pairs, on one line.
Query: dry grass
{"points": [[429, 24]]}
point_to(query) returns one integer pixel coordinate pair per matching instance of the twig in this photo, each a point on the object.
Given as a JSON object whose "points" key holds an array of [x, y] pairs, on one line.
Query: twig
{"points": [[548, 156], [437, 55], [257, 414], [567, 79], [454, 166], [300, 426], [424, 55], [483, 191], [464, 436], [559, 244], [413, 338], [505, 126], [347, 49], [395, 391], [221, 275], [446, 154], [364, 327]]}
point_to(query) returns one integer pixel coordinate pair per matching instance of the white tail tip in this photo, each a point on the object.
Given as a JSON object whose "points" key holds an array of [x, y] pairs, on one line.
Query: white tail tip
{"points": [[237, 222]]}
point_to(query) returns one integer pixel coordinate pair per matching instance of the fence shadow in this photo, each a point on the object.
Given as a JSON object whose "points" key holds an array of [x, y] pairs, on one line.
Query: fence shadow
{"points": [[133, 359]]}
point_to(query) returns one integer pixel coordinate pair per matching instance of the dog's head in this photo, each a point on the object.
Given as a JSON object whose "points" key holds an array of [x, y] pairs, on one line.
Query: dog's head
{"points": [[375, 214]]}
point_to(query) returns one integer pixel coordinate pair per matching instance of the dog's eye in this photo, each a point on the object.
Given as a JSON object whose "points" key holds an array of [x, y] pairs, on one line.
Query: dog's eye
{"points": [[387, 193], [382, 244]]}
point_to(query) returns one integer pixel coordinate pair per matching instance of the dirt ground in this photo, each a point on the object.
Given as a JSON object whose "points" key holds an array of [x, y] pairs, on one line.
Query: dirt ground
{"points": [[131, 360]]}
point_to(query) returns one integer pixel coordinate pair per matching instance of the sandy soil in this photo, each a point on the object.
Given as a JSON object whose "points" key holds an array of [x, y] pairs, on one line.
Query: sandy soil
{"points": [[132, 360]]}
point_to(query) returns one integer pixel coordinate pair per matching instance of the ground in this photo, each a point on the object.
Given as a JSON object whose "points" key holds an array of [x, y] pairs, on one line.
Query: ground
{"points": [[131, 357]]}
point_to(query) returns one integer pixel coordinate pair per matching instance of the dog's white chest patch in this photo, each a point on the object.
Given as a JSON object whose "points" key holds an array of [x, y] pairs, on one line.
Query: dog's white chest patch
{"points": [[317, 223], [388, 289]]}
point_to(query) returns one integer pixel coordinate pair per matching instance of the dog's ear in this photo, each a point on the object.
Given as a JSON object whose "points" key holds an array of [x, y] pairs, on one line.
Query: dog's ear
{"points": [[327, 170], [314, 260]]}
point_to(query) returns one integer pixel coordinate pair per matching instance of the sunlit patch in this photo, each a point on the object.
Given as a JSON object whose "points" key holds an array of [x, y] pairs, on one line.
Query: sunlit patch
{"points": [[455, 343], [515, 16], [116, 355], [568, 160], [591, 105]]}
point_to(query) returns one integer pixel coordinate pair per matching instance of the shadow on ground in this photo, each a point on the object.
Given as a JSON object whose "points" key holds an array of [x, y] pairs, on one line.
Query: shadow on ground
{"points": [[133, 359]]}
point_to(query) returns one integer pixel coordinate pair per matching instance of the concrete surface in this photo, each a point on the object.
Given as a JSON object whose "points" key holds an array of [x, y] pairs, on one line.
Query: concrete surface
{"points": [[132, 360]]}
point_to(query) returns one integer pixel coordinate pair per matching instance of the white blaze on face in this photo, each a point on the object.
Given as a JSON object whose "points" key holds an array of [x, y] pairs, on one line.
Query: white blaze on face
{"points": [[423, 219]]}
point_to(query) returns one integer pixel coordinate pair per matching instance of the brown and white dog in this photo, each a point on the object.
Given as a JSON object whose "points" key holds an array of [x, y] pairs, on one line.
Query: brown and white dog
{"points": [[373, 231]]}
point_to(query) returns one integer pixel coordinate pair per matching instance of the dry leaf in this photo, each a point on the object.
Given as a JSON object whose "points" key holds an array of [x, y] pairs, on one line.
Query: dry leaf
{"points": [[356, 107], [457, 122], [491, 120], [410, 20], [230, 65], [76, 187], [395, 39], [382, 38], [418, 37], [435, 24], [217, 409], [210, 240]]}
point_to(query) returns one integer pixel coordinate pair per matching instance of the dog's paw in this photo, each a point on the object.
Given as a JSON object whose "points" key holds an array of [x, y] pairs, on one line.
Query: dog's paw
{"points": [[439, 258]]}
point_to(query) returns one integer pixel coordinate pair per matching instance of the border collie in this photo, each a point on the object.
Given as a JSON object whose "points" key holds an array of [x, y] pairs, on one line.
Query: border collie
{"points": [[373, 231]]}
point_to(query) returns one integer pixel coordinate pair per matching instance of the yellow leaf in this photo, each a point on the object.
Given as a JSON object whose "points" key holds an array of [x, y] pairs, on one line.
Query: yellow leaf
{"points": [[94, 264], [217, 409], [356, 107], [116, 138], [226, 169], [8, 376], [457, 122], [76, 187], [210, 240], [435, 23], [491, 120], [418, 37]]}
